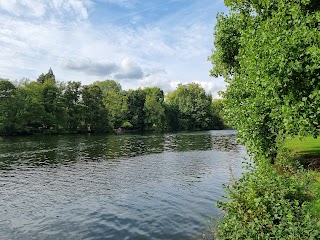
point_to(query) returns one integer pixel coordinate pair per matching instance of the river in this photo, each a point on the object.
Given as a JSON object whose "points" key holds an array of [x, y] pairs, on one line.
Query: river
{"points": [[130, 186]]}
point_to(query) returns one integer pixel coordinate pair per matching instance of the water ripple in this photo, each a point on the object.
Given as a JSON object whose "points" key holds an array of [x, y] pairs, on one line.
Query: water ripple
{"points": [[114, 187]]}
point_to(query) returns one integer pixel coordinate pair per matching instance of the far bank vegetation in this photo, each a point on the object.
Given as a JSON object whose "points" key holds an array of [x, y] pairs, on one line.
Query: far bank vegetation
{"points": [[46, 106]]}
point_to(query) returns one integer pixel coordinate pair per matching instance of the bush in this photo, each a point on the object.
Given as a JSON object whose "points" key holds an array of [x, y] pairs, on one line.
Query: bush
{"points": [[264, 204], [127, 125]]}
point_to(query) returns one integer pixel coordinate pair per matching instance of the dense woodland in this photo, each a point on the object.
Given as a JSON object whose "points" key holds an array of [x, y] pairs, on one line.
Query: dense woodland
{"points": [[51, 107]]}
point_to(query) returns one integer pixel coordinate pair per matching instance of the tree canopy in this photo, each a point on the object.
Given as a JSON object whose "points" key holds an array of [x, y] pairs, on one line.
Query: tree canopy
{"points": [[192, 105], [48, 106], [269, 53]]}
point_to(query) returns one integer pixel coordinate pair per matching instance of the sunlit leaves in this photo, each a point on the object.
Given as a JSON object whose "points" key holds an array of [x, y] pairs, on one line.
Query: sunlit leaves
{"points": [[272, 91], [191, 106]]}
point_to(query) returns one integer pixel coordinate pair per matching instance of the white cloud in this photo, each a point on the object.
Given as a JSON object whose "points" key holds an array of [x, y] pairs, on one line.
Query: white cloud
{"points": [[129, 70], [157, 77], [91, 68], [39, 8], [192, 42], [162, 54], [78, 8], [125, 70], [213, 86], [35, 8]]}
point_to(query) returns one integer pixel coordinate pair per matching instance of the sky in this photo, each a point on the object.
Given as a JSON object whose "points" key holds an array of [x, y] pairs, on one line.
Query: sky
{"points": [[138, 43]]}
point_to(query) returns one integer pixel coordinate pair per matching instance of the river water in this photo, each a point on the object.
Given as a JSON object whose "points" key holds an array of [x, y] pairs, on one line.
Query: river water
{"points": [[130, 186]]}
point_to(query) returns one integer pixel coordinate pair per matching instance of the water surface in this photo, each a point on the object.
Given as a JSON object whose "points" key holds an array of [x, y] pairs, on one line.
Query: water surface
{"points": [[131, 186]]}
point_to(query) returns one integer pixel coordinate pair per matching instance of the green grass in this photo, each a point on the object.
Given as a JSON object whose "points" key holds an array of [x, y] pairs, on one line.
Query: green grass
{"points": [[307, 146], [314, 205]]}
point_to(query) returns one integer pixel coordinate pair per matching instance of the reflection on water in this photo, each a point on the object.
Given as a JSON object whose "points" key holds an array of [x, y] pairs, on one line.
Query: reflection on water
{"points": [[153, 186], [52, 150]]}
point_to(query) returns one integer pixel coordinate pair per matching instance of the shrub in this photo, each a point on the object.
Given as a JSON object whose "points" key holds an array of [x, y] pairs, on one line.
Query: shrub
{"points": [[127, 125], [264, 204]]}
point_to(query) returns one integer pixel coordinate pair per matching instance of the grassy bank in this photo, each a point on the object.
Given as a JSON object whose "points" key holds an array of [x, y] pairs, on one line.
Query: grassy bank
{"points": [[307, 146], [308, 151]]}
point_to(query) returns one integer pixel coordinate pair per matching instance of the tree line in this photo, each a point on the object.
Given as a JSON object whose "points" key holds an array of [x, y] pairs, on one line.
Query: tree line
{"points": [[51, 107]]}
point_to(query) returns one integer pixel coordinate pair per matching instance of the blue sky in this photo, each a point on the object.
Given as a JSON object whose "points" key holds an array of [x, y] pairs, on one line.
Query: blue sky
{"points": [[138, 43]]}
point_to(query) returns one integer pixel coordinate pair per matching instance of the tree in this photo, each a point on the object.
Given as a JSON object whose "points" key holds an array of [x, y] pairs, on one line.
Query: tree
{"points": [[72, 104], [7, 107], [269, 53], [217, 114], [109, 85], [115, 101], [95, 112], [135, 114], [227, 44], [31, 112], [50, 75], [55, 114], [37, 107], [154, 108], [43, 77], [190, 105]]}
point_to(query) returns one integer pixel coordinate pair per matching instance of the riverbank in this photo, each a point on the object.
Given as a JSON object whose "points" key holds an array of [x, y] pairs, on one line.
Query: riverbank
{"points": [[307, 151], [275, 201]]}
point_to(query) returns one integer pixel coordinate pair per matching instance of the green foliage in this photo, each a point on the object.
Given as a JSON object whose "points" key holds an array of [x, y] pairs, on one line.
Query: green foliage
{"points": [[264, 204], [190, 105], [127, 125], [135, 108], [307, 151], [227, 44], [115, 101], [275, 73], [314, 205], [217, 115], [109, 86], [55, 114], [154, 109], [73, 107], [49, 107], [7, 106], [269, 53], [95, 112], [44, 77], [172, 116], [31, 108]]}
